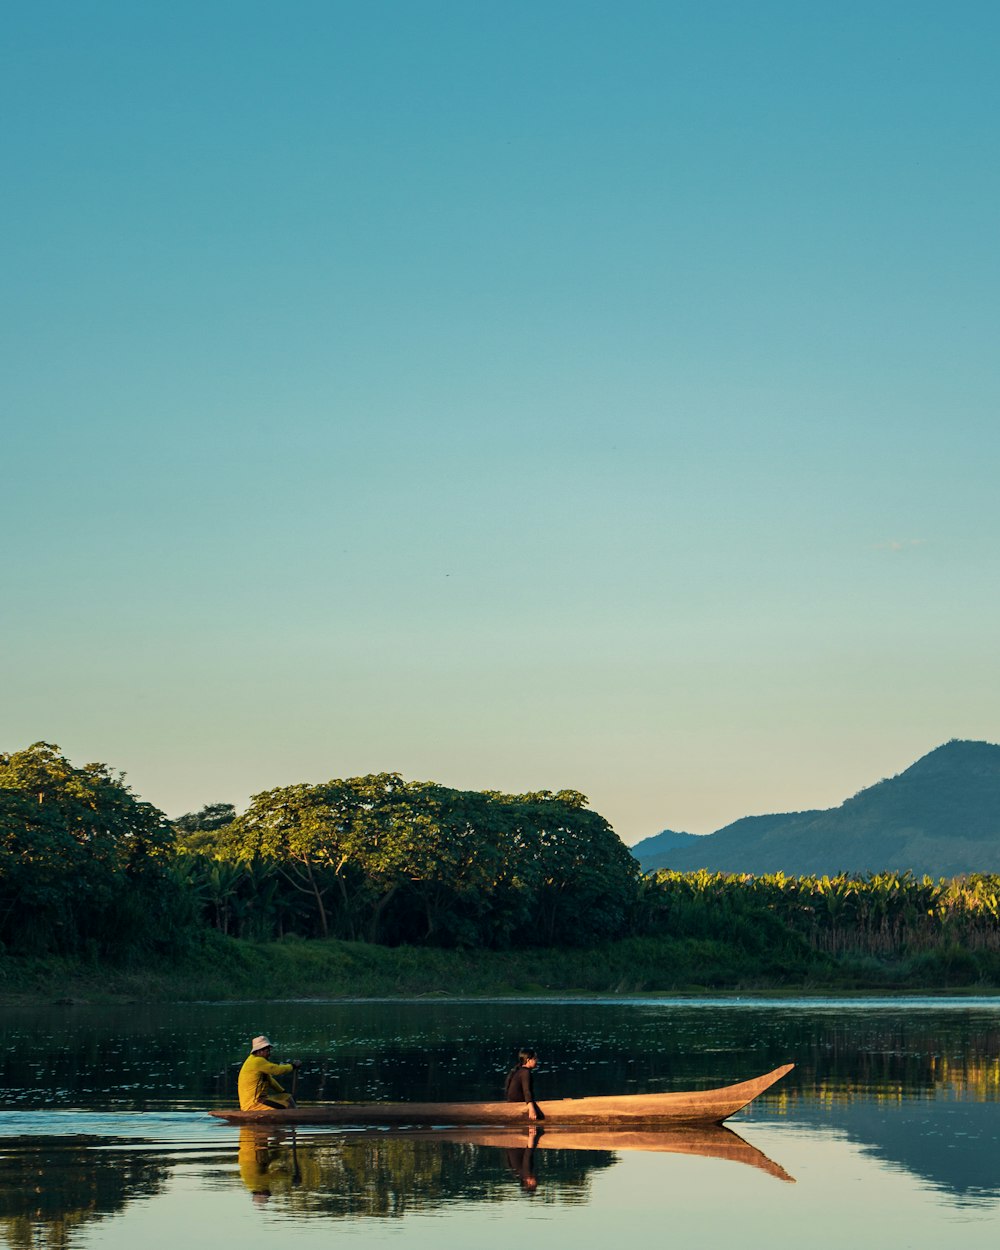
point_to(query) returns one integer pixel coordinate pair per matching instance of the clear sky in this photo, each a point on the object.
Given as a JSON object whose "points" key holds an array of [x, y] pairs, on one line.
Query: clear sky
{"points": [[517, 395]]}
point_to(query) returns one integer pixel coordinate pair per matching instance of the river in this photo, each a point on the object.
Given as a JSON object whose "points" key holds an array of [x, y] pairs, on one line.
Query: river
{"points": [[886, 1133]]}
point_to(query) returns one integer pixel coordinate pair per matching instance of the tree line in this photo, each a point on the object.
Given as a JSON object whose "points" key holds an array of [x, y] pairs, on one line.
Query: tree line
{"points": [[89, 869], [87, 866]]}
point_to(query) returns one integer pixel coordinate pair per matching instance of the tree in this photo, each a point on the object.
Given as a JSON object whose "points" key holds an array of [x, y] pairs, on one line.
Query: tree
{"points": [[80, 855], [583, 877], [306, 832], [417, 861], [436, 855], [204, 830]]}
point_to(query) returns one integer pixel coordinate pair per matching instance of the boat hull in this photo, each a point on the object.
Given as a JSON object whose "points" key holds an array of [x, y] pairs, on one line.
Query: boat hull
{"points": [[706, 1106]]}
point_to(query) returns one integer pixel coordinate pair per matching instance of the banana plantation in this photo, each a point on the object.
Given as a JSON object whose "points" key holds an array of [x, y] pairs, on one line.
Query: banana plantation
{"points": [[885, 915]]}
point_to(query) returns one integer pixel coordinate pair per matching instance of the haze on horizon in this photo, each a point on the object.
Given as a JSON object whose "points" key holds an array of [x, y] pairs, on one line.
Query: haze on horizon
{"points": [[513, 395]]}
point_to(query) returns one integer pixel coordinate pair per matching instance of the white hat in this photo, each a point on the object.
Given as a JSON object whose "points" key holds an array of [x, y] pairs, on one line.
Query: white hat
{"points": [[259, 1043]]}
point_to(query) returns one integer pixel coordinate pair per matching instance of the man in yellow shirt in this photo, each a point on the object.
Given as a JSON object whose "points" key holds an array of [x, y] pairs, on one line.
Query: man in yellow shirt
{"points": [[258, 1089]]}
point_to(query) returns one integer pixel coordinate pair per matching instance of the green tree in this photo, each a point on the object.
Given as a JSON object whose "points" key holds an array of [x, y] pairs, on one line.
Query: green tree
{"points": [[81, 858], [204, 830], [437, 855], [583, 877], [307, 833]]}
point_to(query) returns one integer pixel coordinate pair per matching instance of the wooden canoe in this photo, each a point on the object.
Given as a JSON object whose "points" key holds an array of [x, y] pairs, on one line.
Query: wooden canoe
{"points": [[706, 1106]]}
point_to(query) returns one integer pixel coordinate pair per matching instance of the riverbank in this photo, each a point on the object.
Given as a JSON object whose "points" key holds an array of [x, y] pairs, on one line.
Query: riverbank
{"points": [[220, 968]]}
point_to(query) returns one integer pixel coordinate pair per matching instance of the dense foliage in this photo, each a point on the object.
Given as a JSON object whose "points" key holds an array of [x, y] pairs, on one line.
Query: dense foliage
{"points": [[386, 860], [84, 864], [884, 915], [87, 869]]}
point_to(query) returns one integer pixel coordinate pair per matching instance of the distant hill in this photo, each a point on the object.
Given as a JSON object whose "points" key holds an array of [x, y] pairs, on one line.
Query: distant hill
{"points": [[941, 816], [661, 844]]}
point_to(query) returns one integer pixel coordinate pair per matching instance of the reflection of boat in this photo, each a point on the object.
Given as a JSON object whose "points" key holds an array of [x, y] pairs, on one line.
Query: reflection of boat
{"points": [[713, 1141], [706, 1106]]}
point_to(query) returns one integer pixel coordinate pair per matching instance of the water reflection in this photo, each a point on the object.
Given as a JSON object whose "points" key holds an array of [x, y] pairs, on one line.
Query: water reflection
{"points": [[49, 1187], [709, 1142], [179, 1056], [112, 1105], [263, 1169], [520, 1157], [389, 1174], [951, 1144], [386, 1172]]}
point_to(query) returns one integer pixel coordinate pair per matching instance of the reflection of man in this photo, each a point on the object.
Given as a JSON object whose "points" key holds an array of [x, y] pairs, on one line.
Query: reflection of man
{"points": [[521, 1161], [258, 1089], [255, 1158]]}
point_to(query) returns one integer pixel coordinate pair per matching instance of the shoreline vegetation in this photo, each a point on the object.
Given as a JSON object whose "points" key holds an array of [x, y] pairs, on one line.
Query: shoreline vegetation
{"points": [[229, 969], [376, 886]]}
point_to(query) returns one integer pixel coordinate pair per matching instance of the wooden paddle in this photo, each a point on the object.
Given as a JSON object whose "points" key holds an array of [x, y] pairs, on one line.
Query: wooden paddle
{"points": [[296, 1174]]}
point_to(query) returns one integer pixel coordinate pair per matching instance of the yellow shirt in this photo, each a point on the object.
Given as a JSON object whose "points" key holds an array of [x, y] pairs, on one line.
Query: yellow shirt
{"points": [[257, 1082]]}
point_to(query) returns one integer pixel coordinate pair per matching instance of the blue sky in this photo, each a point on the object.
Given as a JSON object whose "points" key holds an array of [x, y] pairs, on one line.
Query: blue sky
{"points": [[516, 395]]}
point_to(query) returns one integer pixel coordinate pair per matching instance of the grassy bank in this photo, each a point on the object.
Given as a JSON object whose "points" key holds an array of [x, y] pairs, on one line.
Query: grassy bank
{"points": [[224, 968]]}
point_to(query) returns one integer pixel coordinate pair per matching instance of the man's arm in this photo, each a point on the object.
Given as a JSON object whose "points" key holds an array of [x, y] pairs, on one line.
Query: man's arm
{"points": [[271, 1070], [528, 1093], [275, 1069]]}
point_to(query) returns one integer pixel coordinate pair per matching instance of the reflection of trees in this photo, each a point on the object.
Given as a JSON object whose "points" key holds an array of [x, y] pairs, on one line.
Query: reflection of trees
{"points": [[432, 1052], [890, 1059], [889, 1078], [120, 1054], [874, 1052], [629, 1050], [49, 1188], [392, 1174]]}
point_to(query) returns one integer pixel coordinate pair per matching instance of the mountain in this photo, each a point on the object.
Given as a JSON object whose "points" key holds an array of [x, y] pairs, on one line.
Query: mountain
{"points": [[661, 844], [941, 816]]}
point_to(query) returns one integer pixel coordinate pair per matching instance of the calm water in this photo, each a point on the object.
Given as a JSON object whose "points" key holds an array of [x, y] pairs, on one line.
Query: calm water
{"points": [[887, 1133]]}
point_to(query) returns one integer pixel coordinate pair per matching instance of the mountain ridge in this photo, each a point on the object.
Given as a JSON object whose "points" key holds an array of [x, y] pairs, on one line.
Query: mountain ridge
{"points": [[940, 816]]}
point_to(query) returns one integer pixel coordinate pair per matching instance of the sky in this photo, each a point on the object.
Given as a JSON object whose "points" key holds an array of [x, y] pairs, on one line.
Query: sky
{"points": [[514, 395]]}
